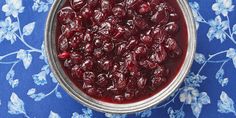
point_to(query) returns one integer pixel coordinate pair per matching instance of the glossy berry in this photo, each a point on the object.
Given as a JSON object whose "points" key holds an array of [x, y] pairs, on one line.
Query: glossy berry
{"points": [[89, 77], [66, 15], [77, 4], [144, 8], [87, 64], [64, 55], [119, 11], [102, 80]]}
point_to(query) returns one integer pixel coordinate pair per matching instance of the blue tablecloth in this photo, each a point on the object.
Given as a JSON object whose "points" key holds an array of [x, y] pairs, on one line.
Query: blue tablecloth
{"points": [[28, 88]]}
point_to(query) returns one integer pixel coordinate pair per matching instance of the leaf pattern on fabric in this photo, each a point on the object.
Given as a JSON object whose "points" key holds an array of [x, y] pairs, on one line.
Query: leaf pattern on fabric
{"points": [[28, 29], [53, 115], [225, 104]]}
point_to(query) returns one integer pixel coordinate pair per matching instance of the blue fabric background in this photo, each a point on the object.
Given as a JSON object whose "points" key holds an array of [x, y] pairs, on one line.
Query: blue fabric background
{"points": [[28, 89]]}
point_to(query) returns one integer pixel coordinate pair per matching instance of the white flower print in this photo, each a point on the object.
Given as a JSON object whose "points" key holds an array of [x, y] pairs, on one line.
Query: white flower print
{"points": [[223, 7], [217, 29], [8, 29], [188, 95], [13, 7]]}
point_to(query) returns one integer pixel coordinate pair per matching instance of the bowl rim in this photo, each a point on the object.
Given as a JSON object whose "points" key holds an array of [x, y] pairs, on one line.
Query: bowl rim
{"points": [[97, 105]]}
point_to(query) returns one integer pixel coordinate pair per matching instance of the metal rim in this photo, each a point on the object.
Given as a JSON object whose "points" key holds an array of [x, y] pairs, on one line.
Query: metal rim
{"points": [[78, 95]]}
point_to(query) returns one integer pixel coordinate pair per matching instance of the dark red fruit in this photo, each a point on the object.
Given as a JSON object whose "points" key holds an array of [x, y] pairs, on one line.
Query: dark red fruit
{"points": [[63, 43], [86, 12], [77, 72], [64, 55], [108, 47], [172, 27], [170, 44], [159, 55], [76, 57], [98, 16], [92, 3], [119, 11], [89, 77], [66, 15], [146, 39], [102, 80], [92, 91], [144, 8], [88, 64], [121, 51], [77, 4], [160, 17], [119, 98], [141, 82]]}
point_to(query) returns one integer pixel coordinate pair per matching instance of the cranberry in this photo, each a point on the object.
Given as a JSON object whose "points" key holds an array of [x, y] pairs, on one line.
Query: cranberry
{"points": [[176, 53], [140, 23], [170, 44], [144, 8], [92, 91], [89, 77], [148, 64], [89, 48], [129, 95], [98, 16], [115, 67], [77, 4], [98, 43], [146, 39], [86, 12], [171, 27], [64, 55], [141, 50], [120, 32], [121, 48], [108, 47], [75, 41], [119, 98], [160, 71], [141, 82], [106, 6], [160, 17], [102, 80], [106, 64], [77, 72], [132, 43], [98, 53], [133, 3], [159, 55], [154, 3], [63, 43], [105, 28], [76, 57], [159, 35], [88, 37], [156, 81], [88, 64], [119, 11], [65, 15], [68, 63], [86, 86], [92, 3], [120, 81]]}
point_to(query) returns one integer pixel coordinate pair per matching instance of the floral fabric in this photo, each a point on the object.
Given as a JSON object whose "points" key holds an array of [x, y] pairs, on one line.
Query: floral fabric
{"points": [[29, 90]]}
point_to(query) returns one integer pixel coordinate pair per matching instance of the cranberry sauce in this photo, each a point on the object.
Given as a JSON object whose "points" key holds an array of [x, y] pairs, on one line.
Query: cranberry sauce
{"points": [[121, 51]]}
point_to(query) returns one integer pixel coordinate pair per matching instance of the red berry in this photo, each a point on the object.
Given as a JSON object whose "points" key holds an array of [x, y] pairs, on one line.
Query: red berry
{"points": [[64, 55], [66, 15]]}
